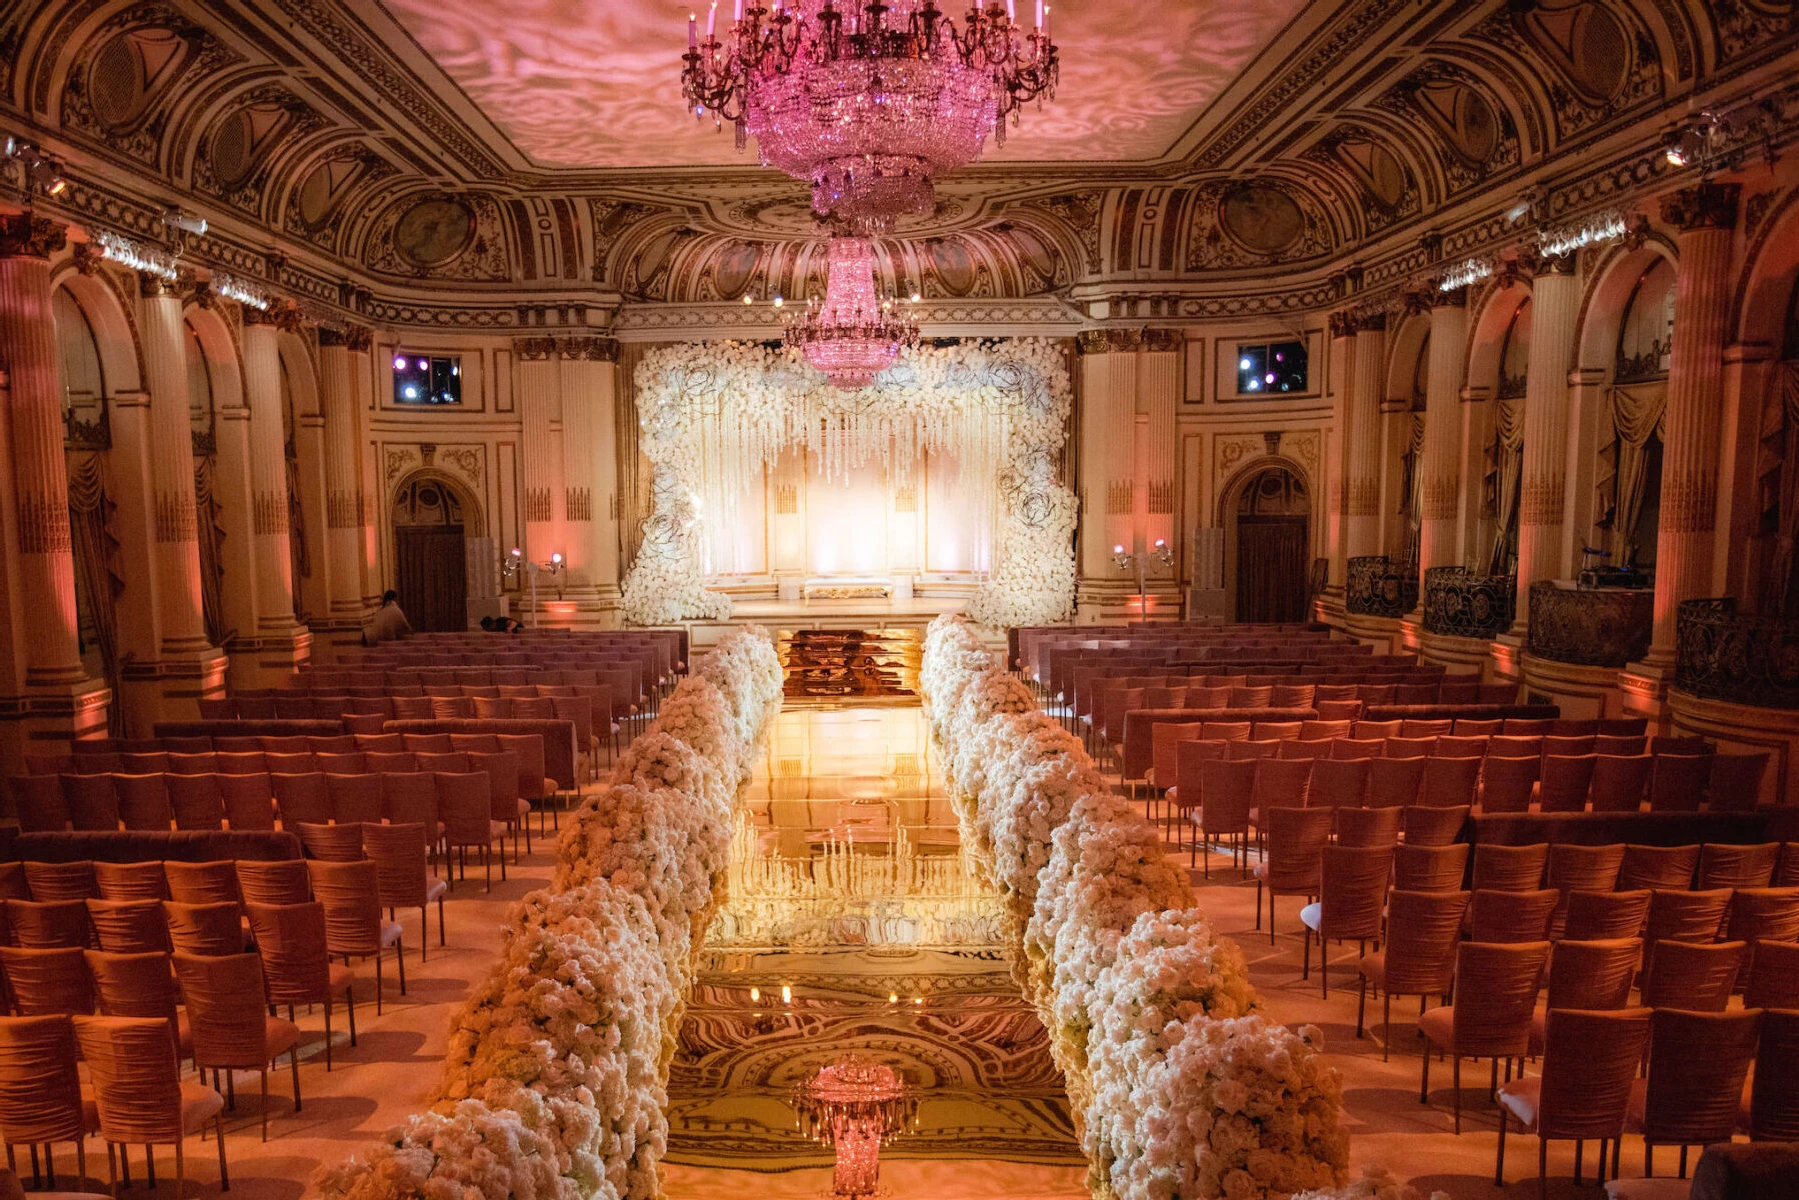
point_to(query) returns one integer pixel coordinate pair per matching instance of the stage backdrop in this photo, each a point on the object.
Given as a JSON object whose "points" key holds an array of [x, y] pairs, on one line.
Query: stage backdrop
{"points": [[986, 418]]}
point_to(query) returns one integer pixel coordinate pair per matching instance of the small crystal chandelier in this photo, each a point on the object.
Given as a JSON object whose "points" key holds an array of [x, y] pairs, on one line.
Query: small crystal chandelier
{"points": [[854, 1105], [868, 103], [853, 335]]}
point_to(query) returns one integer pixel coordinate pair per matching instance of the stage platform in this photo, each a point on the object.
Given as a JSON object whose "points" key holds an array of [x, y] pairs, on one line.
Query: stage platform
{"points": [[785, 616]]}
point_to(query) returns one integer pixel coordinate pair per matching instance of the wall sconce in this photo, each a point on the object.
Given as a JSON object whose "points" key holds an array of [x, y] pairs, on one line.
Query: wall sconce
{"points": [[1122, 558]]}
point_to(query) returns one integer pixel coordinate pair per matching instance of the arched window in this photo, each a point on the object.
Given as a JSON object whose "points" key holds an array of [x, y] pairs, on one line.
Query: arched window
{"points": [[1630, 474], [1777, 477]]}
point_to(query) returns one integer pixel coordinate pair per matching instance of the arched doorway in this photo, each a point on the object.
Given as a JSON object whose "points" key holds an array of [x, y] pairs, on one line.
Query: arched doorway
{"points": [[430, 554], [1273, 526]]}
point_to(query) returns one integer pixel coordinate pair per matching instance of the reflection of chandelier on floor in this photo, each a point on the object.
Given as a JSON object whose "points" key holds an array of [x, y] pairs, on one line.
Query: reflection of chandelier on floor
{"points": [[869, 104], [853, 335], [854, 1105]]}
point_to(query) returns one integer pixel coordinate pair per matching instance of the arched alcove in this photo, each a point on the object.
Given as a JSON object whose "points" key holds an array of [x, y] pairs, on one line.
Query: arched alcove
{"points": [[222, 500], [433, 517], [1266, 513], [305, 494], [1498, 355], [1769, 316]]}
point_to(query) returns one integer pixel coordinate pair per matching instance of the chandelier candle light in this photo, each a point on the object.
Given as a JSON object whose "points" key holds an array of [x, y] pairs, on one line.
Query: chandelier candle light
{"points": [[853, 335], [854, 1105], [868, 103]]}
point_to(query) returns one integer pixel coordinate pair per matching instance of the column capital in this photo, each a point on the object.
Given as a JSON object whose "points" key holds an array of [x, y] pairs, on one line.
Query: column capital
{"points": [[1539, 264], [534, 349], [359, 339], [25, 236], [588, 348], [330, 337], [1109, 341], [1453, 298], [1342, 323], [1374, 322], [1162, 341], [1702, 206], [151, 285]]}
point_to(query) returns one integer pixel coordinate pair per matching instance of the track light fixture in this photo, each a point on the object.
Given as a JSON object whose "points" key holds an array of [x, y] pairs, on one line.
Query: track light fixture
{"points": [[39, 174]]}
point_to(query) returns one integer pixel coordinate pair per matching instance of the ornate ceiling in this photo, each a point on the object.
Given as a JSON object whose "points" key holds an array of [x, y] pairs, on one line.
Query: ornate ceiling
{"points": [[438, 161]]}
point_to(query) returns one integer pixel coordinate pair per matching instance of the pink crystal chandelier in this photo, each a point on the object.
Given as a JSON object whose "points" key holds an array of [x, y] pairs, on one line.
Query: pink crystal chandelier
{"points": [[853, 335], [854, 1105], [869, 103]]}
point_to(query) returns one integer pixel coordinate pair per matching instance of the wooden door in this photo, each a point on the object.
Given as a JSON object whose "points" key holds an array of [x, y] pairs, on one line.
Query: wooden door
{"points": [[432, 578], [1271, 568]]}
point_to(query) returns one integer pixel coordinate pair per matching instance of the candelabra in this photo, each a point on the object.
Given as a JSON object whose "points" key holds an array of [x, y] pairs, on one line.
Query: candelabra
{"points": [[1160, 551], [515, 566]]}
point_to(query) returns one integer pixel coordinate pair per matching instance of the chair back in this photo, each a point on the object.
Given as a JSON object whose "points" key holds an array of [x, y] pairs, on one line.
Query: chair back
{"points": [[1511, 916], [290, 938], [135, 985], [1774, 1095], [1316, 748], [1695, 976], [388, 762], [1698, 1062], [1426, 826], [1163, 738], [1495, 994], [47, 982], [144, 802], [1565, 780], [1224, 731], [1725, 865], [1773, 976], [92, 802], [348, 890], [129, 926], [212, 882], [1251, 749], [1593, 974], [302, 798], [1281, 783], [1678, 782], [1575, 868], [1515, 746], [241, 762], [1359, 748], [249, 800], [38, 803], [1593, 916], [224, 999], [61, 880], [1590, 1060], [1410, 747], [204, 928], [354, 798], [1429, 868], [1338, 783], [279, 881], [502, 781], [131, 881], [1394, 782], [137, 1082], [1371, 730], [1507, 783], [410, 797], [1226, 790], [1449, 782], [399, 855], [49, 924], [534, 782], [1353, 891], [464, 808], [1368, 826], [1650, 867], [40, 1084], [1618, 782], [196, 801], [1503, 868], [1296, 840], [1735, 782], [331, 843], [1682, 916], [1423, 931]]}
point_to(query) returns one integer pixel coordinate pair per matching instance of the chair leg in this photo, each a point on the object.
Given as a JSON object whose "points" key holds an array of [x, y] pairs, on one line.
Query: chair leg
{"points": [[150, 1164], [1361, 1005], [1579, 1151], [1386, 1025], [400, 958], [1542, 1168], [264, 1072], [1324, 966], [1258, 904], [112, 1170], [378, 985], [219, 1137], [440, 924], [1305, 967], [80, 1163], [180, 1167], [1424, 1079], [327, 1031], [1499, 1157], [350, 1003], [293, 1061], [1455, 1083]]}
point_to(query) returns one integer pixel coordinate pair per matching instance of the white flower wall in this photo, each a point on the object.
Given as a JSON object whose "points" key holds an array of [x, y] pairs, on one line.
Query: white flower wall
{"points": [[1182, 1087], [554, 1084], [715, 415]]}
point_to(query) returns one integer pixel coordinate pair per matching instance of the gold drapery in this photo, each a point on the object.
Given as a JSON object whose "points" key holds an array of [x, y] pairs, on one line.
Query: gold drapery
{"points": [[1637, 414], [96, 550]]}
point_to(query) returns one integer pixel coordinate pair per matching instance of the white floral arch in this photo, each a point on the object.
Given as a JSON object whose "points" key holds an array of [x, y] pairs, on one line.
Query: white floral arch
{"points": [[715, 415]]}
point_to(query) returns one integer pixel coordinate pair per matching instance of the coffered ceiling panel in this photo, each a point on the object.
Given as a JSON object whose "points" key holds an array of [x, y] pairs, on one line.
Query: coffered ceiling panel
{"points": [[594, 83]]}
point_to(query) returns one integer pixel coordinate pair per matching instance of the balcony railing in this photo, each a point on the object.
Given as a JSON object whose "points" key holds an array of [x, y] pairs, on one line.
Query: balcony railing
{"points": [[1744, 659], [1589, 627], [1459, 604], [1375, 589]]}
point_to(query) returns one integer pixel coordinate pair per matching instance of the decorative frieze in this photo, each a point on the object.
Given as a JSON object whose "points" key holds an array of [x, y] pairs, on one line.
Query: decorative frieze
{"points": [[269, 511], [577, 503], [175, 518], [537, 504], [534, 349]]}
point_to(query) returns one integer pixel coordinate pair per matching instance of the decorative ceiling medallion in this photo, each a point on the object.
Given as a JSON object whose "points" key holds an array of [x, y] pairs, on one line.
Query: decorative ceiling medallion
{"points": [[434, 231], [1462, 116], [1585, 42], [1261, 216], [130, 71], [243, 139]]}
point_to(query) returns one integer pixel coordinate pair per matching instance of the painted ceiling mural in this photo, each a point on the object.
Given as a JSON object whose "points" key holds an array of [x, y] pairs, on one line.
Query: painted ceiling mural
{"points": [[377, 156], [578, 84]]}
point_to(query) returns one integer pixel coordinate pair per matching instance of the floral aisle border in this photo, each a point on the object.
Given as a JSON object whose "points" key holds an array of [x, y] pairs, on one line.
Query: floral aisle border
{"points": [[1183, 1088], [713, 414], [554, 1084]]}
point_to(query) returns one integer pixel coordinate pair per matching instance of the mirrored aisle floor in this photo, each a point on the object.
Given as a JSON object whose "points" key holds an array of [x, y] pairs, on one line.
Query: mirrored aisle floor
{"points": [[853, 929]]}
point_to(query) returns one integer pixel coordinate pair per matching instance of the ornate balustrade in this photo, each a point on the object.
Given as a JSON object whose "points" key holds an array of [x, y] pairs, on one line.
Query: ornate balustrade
{"points": [[1589, 627], [1722, 654], [1460, 604], [1374, 589]]}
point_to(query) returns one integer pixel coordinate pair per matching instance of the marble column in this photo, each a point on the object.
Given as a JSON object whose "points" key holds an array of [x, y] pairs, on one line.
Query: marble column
{"points": [[359, 340], [1361, 499], [1543, 488], [1342, 383], [588, 383], [540, 452], [177, 550], [1107, 484], [1706, 216], [47, 695], [1158, 463], [276, 628], [43, 646], [1440, 487], [343, 484]]}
